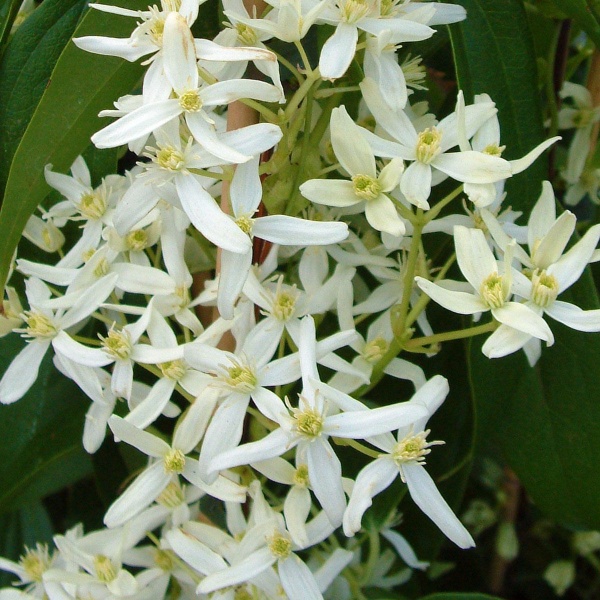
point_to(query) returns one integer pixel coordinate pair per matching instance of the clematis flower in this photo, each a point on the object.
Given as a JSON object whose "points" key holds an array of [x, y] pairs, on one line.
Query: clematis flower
{"points": [[405, 456], [492, 284], [366, 186]]}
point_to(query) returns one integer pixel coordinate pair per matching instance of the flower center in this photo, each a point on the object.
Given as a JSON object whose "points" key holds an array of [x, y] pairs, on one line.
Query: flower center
{"points": [[170, 158], [492, 291], [428, 145], [92, 205], [173, 369], [105, 570], [190, 101], [241, 378], [280, 546], [354, 10], [309, 422], [245, 223], [413, 449], [365, 187], [284, 305], [172, 496], [301, 476], [39, 325], [183, 293], [375, 349], [545, 288], [174, 461], [36, 562], [246, 35], [117, 344], [136, 240]]}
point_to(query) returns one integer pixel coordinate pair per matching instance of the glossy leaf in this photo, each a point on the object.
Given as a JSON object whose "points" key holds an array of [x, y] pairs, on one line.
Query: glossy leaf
{"points": [[8, 12], [41, 450], [494, 53], [26, 67], [63, 122]]}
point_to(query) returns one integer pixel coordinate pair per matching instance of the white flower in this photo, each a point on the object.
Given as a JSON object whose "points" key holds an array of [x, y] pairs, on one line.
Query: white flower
{"points": [[492, 284], [366, 186], [405, 456]]}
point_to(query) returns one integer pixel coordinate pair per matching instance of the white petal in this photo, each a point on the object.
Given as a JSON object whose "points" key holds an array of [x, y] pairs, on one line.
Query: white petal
{"points": [[575, 317], [179, 54], [382, 216], [474, 167], [142, 440], [22, 371], [428, 498], [416, 184], [297, 579], [458, 302], [351, 149], [338, 51], [372, 479], [144, 490], [473, 255], [524, 319], [290, 231]]}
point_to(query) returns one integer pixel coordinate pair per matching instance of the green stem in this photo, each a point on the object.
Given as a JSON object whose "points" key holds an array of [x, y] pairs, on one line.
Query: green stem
{"points": [[290, 67], [268, 114], [430, 215], [304, 58], [450, 335], [210, 174]]}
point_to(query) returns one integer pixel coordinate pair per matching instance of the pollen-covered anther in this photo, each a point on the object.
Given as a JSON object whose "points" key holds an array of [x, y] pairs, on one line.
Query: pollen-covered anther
{"points": [[183, 293], [136, 240], [246, 34], [105, 569], [301, 476], [280, 546], [284, 305], [375, 349], [544, 288], [169, 158], [245, 223], [428, 144], [39, 325], [366, 187], [36, 562], [241, 378], [190, 101], [92, 205], [117, 344], [173, 369], [174, 461], [102, 268], [413, 448], [308, 422], [172, 496], [354, 10], [492, 291]]}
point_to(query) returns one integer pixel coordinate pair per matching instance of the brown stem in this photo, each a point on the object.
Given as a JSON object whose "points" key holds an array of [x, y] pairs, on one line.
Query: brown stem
{"points": [[511, 486]]}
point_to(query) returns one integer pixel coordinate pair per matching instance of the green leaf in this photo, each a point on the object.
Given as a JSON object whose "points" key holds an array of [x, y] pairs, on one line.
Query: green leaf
{"points": [[41, 450], [586, 13], [494, 54], [546, 420], [26, 68], [459, 596], [8, 12], [65, 119]]}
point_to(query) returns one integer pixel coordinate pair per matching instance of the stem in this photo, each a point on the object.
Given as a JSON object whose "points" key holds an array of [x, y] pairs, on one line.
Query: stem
{"points": [[304, 58], [268, 114], [450, 335], [430, 215], [204, 173], [290, 67]]}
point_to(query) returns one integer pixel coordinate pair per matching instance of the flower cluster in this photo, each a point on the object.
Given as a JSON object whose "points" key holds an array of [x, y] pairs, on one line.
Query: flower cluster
{"points": [[297, 242]]}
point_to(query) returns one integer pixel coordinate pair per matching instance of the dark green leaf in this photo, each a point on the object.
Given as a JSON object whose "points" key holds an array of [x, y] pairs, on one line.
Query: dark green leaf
{"points": [[494, 54], [586, 13], [64, 121], [8, 12], [26, 67], [41, 450]]}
